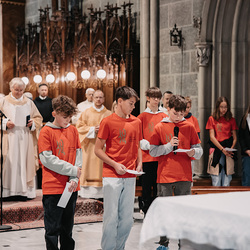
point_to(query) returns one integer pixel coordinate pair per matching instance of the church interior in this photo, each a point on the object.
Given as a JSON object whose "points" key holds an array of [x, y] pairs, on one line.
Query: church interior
{"points": [[194, 48]]}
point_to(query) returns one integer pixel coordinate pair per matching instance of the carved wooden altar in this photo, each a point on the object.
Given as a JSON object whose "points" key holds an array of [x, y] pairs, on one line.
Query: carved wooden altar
{"points": [[66, 40]]}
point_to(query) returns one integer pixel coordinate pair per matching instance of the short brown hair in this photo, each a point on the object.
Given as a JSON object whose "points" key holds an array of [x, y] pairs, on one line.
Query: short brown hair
{"points": [[168, 92], [178, 103], [64, 105], [188, 100], [125, 93], [154, 92]]}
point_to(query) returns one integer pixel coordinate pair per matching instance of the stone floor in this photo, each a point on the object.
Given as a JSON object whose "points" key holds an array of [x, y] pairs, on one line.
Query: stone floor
{"points": [[87, 237]]}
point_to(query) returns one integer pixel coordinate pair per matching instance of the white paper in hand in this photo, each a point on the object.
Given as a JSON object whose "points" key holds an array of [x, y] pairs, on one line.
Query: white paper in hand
{"points": [[181, 150], [134, 172], [230, 149], [65, 197]]}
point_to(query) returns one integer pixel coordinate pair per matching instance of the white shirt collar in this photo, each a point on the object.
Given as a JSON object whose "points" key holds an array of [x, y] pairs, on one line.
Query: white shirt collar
{"points": [[20, 99], [167, 119], [42, 98], [148, 110], [98, 110]]}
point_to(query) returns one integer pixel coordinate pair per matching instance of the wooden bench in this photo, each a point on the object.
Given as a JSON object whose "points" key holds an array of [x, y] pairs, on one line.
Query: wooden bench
{"points": [[204, 186], [205, 189], [212, 189], [236, 181]]}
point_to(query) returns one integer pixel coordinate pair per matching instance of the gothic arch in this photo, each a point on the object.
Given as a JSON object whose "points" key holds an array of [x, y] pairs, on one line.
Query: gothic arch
{"points": [[226, 28]]}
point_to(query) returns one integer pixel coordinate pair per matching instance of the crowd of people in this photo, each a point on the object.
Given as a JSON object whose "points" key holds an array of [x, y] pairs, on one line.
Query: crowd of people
{"points": [[101, 152]]}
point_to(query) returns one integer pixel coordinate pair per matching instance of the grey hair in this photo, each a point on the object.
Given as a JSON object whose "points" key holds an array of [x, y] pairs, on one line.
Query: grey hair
{"points": [[16, 81], [89, 89]]}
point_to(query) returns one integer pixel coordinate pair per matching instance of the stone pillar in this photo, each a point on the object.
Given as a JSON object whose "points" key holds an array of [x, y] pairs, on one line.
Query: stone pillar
{"points": [[203, 55], [154, 43], [144, 52]]}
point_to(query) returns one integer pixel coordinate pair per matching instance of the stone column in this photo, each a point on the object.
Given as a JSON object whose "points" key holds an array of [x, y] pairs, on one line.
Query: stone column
{"points": [[154, 43], [203, 55], [144, 51]]}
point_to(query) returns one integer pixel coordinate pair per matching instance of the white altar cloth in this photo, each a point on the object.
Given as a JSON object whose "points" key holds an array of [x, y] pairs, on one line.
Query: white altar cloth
{"points": [[221, 220]]}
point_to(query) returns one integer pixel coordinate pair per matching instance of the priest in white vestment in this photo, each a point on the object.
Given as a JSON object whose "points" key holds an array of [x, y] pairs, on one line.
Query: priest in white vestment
{"points": [[88, 126], [20, 132], [84, 105]]}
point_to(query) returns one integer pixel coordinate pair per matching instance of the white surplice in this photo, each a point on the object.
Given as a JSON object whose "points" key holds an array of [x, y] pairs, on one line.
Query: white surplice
{"points": [[20, 147]]}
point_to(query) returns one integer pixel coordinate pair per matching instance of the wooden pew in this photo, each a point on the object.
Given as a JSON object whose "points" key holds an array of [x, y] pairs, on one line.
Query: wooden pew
{"points": [[212, 189], [205, 189], [204, 186]]}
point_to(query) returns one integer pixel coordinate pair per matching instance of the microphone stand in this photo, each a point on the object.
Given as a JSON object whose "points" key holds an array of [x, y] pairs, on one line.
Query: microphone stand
{"points": [[2, 227]]}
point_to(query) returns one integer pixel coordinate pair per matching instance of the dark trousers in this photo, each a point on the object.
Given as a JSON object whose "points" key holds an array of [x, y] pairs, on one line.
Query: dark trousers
{"points": [[148, 184], [39, 178], [59, 222]]}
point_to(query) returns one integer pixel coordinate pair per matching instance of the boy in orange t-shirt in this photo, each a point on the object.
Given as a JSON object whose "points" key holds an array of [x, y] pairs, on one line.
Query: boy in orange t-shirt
{"points": [[174, 175], [121, 132], [149, 118], [190, 118], [61, 157]]}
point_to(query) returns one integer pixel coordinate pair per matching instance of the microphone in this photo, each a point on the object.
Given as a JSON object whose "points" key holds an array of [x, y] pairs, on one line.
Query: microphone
{"points": [[176, 132]]}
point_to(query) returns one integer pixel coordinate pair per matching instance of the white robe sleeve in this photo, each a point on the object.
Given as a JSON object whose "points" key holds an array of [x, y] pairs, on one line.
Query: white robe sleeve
{"points": [[33, 127], [5, 120]]}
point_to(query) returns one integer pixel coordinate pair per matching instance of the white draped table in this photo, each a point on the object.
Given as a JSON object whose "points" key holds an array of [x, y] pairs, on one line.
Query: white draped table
{"points": [[221, 220]]}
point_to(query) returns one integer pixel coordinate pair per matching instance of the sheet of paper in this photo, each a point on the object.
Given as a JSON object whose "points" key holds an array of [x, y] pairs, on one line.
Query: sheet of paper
{"points": [[231, 149], [181, 150], [20, 116], [134, 172], [65, 197]]}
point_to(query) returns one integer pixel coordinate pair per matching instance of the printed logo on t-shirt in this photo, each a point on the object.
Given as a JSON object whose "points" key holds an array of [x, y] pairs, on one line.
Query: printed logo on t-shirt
{"points": [[168, 137], [60, 147], [122, 135], [150, 127], [219, 127]]}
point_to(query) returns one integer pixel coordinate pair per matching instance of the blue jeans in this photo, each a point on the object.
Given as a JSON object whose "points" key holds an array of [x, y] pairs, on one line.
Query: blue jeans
{"points": [[245, 171], [222, 179], [118, 196]]}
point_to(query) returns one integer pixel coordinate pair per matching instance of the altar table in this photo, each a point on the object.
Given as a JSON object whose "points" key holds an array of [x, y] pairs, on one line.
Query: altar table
{"points": [[221, 220]]}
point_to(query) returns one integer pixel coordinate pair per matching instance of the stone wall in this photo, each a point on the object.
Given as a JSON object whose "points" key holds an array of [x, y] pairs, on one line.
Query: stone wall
{"points": [[31, 9], [178, 66]]}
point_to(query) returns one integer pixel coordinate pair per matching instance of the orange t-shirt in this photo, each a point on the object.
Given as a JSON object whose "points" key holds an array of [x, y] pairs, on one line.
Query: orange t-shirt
{"points": [[63, 143], [149, 120], [222, 128], [194, 121], [122, 142], [174, 167]]}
